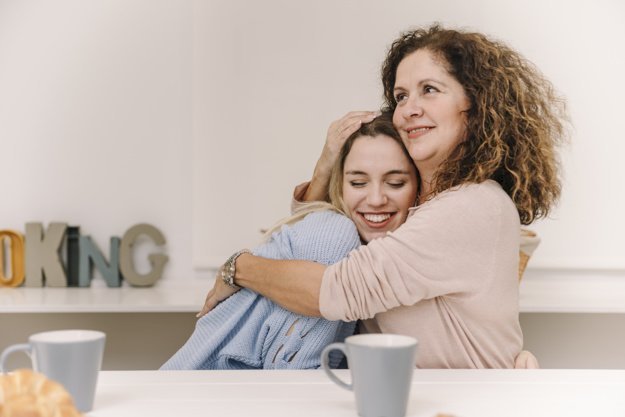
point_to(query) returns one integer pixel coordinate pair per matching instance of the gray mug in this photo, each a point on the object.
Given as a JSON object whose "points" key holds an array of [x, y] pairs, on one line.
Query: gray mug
{"points": [[381, 366], [71, 357]]}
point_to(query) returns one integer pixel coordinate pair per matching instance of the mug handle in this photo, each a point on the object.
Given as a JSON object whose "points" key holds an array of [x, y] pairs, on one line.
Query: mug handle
{"points": [[325, 364], [13, 348]]}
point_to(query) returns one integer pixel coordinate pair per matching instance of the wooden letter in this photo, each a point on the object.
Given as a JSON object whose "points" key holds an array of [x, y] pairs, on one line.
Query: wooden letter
{"points": [[73, 255], [16, 247], [125, 256], [42, 255], [90, 255]]}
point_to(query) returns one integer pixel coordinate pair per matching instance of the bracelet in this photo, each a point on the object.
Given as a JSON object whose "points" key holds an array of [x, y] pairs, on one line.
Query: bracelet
{"points": [[228, 270]]}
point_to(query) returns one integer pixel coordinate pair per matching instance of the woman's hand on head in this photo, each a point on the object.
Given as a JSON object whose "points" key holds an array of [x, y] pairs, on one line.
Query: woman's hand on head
{"points": [[216, 295], [338, 132]]}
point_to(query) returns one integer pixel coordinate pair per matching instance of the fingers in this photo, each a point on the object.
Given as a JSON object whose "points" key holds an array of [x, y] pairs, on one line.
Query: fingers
{"points": [[216, 295], [341, 129], [526, 360], [349, 127], [351, 118], [337, 134], [349, 123], [362, 114], [532, 363], [209, 304]]}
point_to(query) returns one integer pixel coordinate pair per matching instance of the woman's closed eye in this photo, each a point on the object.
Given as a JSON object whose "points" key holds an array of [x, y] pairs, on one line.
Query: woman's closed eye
{"points": [[396, 184], [358, 184]]}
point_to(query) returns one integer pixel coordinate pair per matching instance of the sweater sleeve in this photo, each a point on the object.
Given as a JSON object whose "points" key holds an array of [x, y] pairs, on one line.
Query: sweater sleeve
{"points": [[325, 237], [447, 247], [247, 331]]}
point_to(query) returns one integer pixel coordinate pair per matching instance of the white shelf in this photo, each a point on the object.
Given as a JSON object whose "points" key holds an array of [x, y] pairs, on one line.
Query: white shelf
{"points": [[542, 291], [573, 291], [158, 299]]}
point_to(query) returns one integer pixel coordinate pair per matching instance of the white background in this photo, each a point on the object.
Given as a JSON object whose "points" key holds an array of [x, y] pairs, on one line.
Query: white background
{"points": [[271, 75], [95, 118], [200, 116]]}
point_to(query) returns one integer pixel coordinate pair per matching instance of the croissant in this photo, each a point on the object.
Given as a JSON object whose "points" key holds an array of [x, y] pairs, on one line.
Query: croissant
{"points": [[25, 393]]}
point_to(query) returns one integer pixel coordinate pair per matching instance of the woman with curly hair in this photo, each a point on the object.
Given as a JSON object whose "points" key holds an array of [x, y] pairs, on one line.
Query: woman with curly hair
{"points": [[482, 126]]}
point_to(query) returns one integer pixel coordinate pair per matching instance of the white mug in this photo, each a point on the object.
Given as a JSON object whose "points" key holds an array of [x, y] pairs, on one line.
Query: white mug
{"points": [[71, 357], [381, 366]]}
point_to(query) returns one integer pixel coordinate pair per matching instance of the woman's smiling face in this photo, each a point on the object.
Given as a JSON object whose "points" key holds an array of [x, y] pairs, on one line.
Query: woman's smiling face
{"points": [[379, 185], [431, 109]]}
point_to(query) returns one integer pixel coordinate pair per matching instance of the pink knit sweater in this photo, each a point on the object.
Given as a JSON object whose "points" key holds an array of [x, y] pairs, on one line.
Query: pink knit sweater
{"points": [[448, 277]]}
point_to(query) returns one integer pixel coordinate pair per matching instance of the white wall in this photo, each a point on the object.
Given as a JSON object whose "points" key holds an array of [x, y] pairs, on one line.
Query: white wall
{"points": [[95, 118], [271, 75], [199, 116]]}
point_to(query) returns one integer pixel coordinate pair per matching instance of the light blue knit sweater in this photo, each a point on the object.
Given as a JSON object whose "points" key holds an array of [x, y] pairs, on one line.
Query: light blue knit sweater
{"points": [[248, 331]]}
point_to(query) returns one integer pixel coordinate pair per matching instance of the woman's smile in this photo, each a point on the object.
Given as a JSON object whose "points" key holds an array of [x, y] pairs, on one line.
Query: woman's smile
{"points": [[379, 185], [377, 219], [418, 131]]}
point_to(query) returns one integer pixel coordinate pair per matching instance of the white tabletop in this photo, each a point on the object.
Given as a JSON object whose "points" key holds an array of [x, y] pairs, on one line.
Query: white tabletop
{"points": [[461, 393]]}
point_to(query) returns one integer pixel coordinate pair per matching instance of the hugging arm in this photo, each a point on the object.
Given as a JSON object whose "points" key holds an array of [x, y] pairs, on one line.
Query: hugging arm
{"points": [[368, 281], [295, 285]]}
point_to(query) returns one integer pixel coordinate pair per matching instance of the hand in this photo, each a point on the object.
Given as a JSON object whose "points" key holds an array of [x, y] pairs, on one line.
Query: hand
{"points": [[526, 360], [338, 132], [220, 292]]}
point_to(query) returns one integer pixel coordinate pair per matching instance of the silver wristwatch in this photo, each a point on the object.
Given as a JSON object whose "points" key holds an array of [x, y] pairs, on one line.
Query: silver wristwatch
{"points": [[229, 270]]}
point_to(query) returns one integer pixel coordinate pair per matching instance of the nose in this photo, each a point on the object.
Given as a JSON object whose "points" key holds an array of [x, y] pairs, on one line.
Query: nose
{"points": [[376, 197], [411, 108]]}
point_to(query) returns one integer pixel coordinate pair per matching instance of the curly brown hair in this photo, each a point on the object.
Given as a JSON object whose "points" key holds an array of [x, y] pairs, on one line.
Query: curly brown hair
{"points": [[514, 125]]}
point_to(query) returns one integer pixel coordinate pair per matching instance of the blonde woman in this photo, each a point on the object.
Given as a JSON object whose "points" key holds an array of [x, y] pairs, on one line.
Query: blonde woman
{"points": [[373, 173]]}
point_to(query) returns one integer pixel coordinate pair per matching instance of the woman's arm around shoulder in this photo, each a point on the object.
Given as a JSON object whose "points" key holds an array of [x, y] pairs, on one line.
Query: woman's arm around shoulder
{"points": [[433, 254], [324, 237]]}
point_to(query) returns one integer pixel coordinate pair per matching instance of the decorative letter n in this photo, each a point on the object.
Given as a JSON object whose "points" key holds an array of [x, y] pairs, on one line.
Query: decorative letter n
{"points": [[91, 255]]}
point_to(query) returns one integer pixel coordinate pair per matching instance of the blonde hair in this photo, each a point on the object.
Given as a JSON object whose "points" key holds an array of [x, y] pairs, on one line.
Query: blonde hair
{"points": [[381, 125], [514, 125]]}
